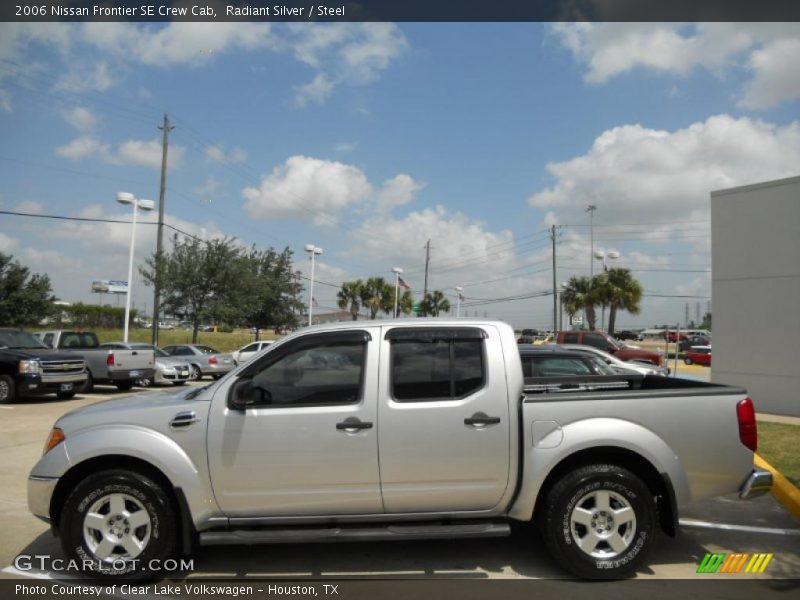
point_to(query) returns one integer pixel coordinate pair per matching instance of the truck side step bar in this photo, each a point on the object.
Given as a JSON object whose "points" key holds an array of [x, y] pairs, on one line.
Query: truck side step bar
{"points": [[344, 533]]}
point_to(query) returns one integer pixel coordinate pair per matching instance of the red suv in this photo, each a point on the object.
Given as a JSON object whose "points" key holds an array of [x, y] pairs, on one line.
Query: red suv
{"points": [[603, 341]]}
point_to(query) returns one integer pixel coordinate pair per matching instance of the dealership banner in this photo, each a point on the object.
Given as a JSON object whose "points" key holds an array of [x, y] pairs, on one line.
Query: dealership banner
{"points": [[109, 286]]}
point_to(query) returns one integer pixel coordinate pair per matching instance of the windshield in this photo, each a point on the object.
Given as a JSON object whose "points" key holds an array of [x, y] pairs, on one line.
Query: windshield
{"points": [[19, 339], [601, 366], [207, 350]]}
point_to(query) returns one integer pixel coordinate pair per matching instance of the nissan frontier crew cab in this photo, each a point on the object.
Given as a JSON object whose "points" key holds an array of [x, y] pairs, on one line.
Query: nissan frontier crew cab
{"points": [[397, 430]]}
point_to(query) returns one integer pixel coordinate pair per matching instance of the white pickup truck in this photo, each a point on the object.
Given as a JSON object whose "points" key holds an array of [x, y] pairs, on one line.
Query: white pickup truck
{"points": [[119, 367], [394, 430]]}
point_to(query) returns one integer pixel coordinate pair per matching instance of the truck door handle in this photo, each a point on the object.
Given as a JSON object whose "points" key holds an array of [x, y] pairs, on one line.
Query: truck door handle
{"points": [[183, 419], [353, 423], [480, 419]]}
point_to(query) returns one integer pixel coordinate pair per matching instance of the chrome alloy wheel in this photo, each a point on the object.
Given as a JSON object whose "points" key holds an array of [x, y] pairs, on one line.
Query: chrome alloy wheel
{"points": [[116, 527], [603, 524]]}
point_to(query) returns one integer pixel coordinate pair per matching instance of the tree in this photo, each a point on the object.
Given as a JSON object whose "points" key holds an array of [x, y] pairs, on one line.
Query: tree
{"points": [[200, 280], [579, 295], [620, 291], [25, 298], [349, 296], [433, 303], [377, 295], [405, 304], [269, 292]]}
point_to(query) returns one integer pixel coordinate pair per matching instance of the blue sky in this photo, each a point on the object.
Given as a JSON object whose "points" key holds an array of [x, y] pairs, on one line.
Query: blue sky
{"points": [[369, 139]]}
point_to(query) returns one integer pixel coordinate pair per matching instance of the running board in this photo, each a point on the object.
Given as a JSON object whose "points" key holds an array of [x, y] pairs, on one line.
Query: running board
{"points": [[355, 534]]}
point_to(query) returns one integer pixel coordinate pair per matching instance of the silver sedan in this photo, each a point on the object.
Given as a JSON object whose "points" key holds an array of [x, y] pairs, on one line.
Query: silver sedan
{"points": [[203, 360]]}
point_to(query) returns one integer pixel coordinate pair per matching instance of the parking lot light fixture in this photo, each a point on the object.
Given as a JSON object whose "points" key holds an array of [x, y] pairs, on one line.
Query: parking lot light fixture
{"points": [[126, 198], [397, 271], [612, 255], [313, 251]]}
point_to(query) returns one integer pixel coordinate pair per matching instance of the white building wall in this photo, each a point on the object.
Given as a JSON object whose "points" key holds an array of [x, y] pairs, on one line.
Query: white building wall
{"points": [[755, 251]]}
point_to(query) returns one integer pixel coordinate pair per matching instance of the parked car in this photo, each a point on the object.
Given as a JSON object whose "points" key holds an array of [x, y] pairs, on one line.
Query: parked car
{"points": [[693, 340], [118, 367], [168, 369], [467, 445], [555, 361], [626, 334], [247, 352], [700, 355], [617, 364], [29, 368], [601, 340], [203, 360]]}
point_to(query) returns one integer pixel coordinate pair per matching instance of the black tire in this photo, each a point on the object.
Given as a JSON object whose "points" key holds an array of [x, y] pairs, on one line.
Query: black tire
{"points": [[688, 360], [88, 386], [577, 496], [195, 373], [178, 383], [124, 386], [141, 493], [145, 382], [216, 376], [65, 395], [7, 390]]}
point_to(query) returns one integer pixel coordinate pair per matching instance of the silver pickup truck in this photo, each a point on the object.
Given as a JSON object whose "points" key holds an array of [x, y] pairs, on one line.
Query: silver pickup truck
{"points": [[118, 367], [393, 430]]}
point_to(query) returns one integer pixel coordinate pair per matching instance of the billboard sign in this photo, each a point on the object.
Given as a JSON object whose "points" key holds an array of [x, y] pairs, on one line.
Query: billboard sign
{"points": [[109, 286]]}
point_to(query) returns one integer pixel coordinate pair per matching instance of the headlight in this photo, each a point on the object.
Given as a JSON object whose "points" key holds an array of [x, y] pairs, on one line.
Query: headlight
{"points": [[30, 366], [54, 439]]}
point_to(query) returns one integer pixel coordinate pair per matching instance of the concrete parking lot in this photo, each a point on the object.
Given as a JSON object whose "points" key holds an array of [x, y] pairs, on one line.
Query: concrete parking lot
{"points": [[721, 525]]}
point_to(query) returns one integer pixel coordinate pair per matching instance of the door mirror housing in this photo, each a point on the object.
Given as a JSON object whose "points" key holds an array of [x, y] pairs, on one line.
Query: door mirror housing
{"points": [[244, 394]]}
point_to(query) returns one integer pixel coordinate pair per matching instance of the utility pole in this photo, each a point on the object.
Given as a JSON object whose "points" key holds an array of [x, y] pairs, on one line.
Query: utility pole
{"points": [[555, 289], [166, 128], [427, 262], [590, 209]]}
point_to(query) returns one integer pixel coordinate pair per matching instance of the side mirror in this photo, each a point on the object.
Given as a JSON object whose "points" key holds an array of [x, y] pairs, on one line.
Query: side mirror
{"points": [[244, 394]]}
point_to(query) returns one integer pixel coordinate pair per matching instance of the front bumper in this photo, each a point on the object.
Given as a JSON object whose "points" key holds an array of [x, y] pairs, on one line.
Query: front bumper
{"points": [[40, 493], [758, 482], [37, 385]]}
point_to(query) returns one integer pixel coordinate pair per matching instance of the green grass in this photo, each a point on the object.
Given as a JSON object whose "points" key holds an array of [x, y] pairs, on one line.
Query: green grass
{"points": [[778, 444]]}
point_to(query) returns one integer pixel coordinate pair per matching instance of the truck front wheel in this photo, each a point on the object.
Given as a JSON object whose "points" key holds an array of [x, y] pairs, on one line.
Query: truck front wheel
{"points": [[599, 521], [6, 389], [118, 524]]}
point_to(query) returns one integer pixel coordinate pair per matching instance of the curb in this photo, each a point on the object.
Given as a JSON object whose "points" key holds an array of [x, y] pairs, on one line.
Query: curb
{"points": [[783, 489]]}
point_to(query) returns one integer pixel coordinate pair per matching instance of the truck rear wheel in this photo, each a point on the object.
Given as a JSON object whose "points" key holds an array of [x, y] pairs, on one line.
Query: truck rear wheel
{"points": [[599, 521], [6, 389], [124, 386], [118, 524]]}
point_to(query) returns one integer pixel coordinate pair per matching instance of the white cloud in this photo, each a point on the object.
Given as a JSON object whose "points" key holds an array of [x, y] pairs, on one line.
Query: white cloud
{"points": [[7, 243], [217, 153], [636, 174], [315, 91], [97, 78], [306, 186], [397, 191], [5, 101], [146, 154], [345, 146], [82, 147], [30, 206], [208, 188], [81, 118], [767, 50]]}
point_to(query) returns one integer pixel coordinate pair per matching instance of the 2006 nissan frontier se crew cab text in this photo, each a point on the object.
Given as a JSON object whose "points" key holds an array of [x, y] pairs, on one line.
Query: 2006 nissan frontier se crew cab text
{"points": [[400, 430]]}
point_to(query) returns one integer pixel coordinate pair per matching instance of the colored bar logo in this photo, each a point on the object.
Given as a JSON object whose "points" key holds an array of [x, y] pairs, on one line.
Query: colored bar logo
{"points": [[741, 562]]}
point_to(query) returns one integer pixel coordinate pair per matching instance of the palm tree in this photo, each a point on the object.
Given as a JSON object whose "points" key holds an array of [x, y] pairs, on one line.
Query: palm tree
{"points": [[580, 295], [374, 294], [434, 303], [350, 296], [624, 292], [405, 304]]}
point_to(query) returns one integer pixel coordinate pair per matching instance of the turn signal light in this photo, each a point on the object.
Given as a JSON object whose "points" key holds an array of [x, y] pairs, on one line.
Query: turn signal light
{"points": [[54, 439], [748, 432]]}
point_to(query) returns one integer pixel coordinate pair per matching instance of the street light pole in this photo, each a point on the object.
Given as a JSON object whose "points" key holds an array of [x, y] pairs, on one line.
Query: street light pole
{"points": [[459, 289], [313, 251], [126, 198], [602, 256], [396, 271]]}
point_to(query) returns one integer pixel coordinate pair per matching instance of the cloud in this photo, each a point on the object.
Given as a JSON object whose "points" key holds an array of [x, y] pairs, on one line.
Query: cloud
{"points": [[30, 206], [342, 53], [146, 154], [82, 147], [345, 146], [316, 91], [656, 174], [766, 50], [397, 191], [306, 186], [216, 153], [81, 118], [5, 101], [7, 243], [208, 188], [97, 78]]}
